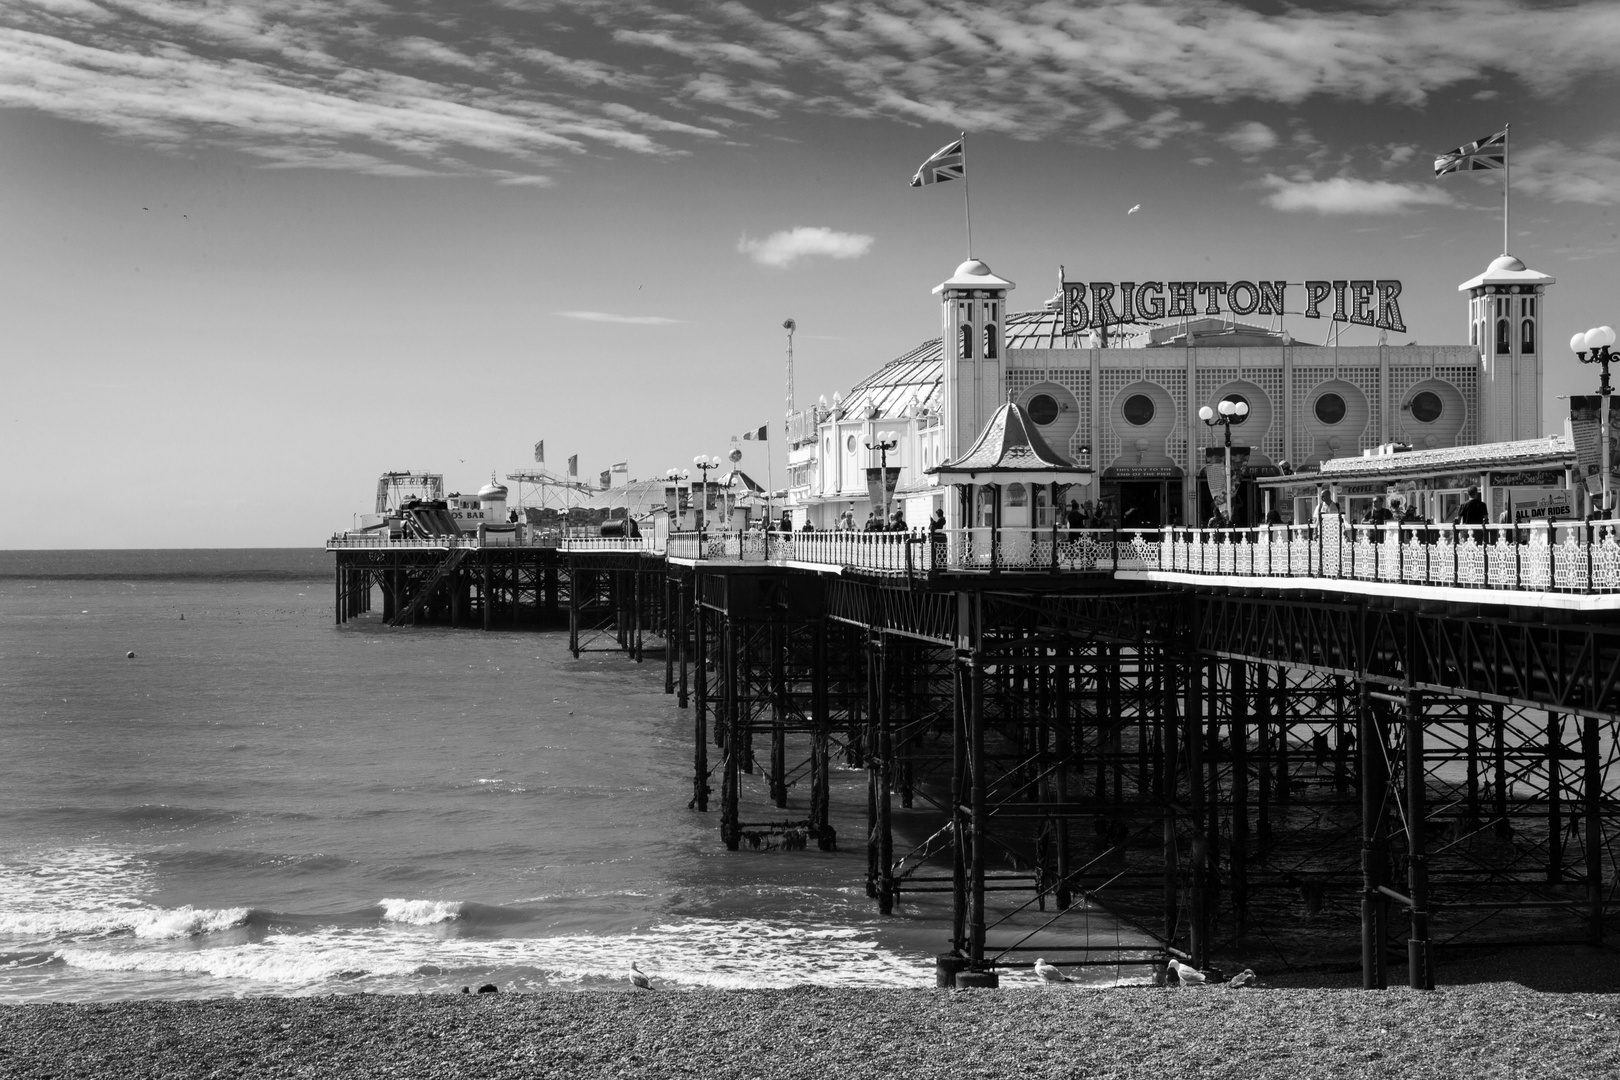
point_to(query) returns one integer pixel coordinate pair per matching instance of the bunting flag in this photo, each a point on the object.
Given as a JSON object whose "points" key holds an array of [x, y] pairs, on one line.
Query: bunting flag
{"points": [[540, 451], [947, 163], [573, 465], [1487, 153], [622, 466], [606, 479]]}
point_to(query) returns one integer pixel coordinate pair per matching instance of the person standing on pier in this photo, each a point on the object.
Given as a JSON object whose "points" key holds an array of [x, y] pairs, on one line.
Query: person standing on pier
{"points": [[1325, 504], [1473, 512]]}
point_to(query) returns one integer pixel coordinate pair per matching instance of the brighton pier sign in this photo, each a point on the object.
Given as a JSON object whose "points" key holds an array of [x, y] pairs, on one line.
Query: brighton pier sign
{"points": [[1099, 304]]}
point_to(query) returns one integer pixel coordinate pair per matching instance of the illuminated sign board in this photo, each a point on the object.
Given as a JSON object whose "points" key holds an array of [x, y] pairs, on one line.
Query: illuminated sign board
{"points": [[1097, 304]]}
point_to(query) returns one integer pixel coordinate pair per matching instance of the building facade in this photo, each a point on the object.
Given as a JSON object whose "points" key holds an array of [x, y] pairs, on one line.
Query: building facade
{"points": [[1130, 410]]}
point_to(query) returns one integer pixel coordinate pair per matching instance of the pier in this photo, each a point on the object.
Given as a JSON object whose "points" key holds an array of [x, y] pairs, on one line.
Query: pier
{"points": [[1241, 741]]}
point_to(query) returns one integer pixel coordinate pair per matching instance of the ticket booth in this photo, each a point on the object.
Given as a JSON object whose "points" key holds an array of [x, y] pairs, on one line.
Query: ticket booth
{"points": [[1008, 490]]}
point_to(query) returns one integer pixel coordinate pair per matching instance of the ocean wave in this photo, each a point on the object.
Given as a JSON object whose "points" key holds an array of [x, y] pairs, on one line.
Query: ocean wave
{"points": [[186, 921], [155, 816], [204, 861], [389, 958], [144, 922], [420, 912]]}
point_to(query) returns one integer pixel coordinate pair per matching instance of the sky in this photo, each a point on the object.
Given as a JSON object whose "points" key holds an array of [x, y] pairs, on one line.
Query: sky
{"points": [[256, 253]]}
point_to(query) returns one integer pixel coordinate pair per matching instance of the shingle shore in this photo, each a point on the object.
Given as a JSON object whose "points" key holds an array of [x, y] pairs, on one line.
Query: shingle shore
{"points": [[1482, 1030]]}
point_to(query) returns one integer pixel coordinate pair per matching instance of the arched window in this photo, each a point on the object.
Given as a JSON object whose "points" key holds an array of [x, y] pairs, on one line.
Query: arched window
{"points": [[1527, 336], [1016, 494], [1473, 335], [967, 341], [989, 341], [1504, 332]]}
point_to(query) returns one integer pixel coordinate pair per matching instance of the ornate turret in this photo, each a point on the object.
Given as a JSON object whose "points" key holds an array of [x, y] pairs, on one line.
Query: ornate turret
{"points": [[1505, 316], [975, 308]]}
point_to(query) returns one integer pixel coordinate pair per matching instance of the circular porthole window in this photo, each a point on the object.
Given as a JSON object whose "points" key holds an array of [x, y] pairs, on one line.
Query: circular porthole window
{"points": [[1139, 410], [1427, 407], [1330, 408], [849, 444], [1043, 409]]}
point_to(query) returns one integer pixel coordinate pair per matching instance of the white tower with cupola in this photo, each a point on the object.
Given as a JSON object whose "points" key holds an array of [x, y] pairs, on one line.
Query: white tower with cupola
{"points": [[975, 311], [1506, 313]]}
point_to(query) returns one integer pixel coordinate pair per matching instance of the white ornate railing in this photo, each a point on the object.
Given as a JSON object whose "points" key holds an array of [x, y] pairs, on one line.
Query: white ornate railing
{"points": [[1561, 557], [1572, 557], [445, 543]]}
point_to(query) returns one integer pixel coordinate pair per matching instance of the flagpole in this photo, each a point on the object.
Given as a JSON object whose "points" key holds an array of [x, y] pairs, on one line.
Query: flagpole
{"points": [[1507, 164], [967, 208]]}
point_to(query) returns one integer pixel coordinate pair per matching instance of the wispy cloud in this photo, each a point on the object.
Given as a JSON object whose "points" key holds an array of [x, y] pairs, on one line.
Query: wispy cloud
{"points": [[609, 317], [1345, 195], [1567, 174], [496, 87], [1250, 138], [790, 245]]}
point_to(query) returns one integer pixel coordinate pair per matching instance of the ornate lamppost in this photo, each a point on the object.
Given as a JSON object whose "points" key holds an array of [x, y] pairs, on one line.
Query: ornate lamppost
{"points": [[675, 476], [1231, 412], [886, 441], [704, 462], [1594, 347]]}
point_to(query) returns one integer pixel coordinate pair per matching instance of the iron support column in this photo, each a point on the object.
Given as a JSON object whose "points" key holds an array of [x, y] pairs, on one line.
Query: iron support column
{"points": [[1592, 797], [734, 745], [981, 811], [700, 709], [1420, 964], [1374, 778]]}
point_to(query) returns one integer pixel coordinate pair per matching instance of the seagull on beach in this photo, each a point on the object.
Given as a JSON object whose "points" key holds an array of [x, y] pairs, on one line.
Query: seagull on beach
{"points": [[1242, 978], [1186, 974], [1049, 972], [638, 978]]}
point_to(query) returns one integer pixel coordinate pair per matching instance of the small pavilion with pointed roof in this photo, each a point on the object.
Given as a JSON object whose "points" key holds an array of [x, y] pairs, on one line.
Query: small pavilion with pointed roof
{"points": [[1007, 481]]}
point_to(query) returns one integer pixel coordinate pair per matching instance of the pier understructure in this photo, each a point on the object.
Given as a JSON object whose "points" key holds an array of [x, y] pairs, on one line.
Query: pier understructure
{"points": [[1290, 745], [1227, 747]]}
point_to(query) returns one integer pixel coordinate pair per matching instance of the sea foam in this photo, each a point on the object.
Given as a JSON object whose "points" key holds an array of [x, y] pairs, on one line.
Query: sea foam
{"points": [[420, 912]]}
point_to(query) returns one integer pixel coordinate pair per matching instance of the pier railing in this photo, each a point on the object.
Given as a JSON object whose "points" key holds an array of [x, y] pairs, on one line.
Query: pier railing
{"points": [[448, 543], [1572, 557]]}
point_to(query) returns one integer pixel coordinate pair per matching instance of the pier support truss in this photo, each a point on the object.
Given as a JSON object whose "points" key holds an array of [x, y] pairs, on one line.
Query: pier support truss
{"points": [[1215, 775]]}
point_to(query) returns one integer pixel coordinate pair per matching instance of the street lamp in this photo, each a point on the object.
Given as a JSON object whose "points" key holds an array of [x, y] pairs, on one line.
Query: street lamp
{"points": [[1593, 347], [675, 476], [704, 462], [1231, 412], [886, 441]]}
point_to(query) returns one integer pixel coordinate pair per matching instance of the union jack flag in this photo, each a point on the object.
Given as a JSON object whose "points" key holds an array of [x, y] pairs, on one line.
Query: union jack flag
{"points": [[948, 163], [1487, 153]]}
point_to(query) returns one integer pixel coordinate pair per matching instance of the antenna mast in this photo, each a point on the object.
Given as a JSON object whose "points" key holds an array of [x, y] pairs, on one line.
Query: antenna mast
{"points": [[789, 325]]}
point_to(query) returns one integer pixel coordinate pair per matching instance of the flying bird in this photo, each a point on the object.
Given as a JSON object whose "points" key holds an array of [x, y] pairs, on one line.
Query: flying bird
{"points": [[1242, 978], [637, 978], [1049, 972], [1133, 209], [1186, 974]]}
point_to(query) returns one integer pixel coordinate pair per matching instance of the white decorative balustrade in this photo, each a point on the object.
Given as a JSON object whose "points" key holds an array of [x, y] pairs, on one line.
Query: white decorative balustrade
{"points": [[445, 543], [1572, 557]]}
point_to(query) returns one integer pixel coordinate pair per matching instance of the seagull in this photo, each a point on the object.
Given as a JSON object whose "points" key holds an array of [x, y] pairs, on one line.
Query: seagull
{"points": [[637, 978], [1049, 972], [1133, 209], [1186, 974], [1242, 978]]}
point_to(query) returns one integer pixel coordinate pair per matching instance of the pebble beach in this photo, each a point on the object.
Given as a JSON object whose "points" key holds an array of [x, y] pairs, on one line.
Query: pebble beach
{"points": [[1294, 1026]]}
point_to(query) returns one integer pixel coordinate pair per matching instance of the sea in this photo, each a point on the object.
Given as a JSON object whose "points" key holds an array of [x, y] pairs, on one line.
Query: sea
{"points": [[209, 789]]}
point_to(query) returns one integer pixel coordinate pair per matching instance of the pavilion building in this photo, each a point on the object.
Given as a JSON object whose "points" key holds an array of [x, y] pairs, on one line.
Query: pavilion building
{"points": [[1126, 406]]}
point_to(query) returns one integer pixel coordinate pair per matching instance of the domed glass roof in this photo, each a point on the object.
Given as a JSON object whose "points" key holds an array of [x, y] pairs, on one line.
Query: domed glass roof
{"points": [[912, 383]]}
